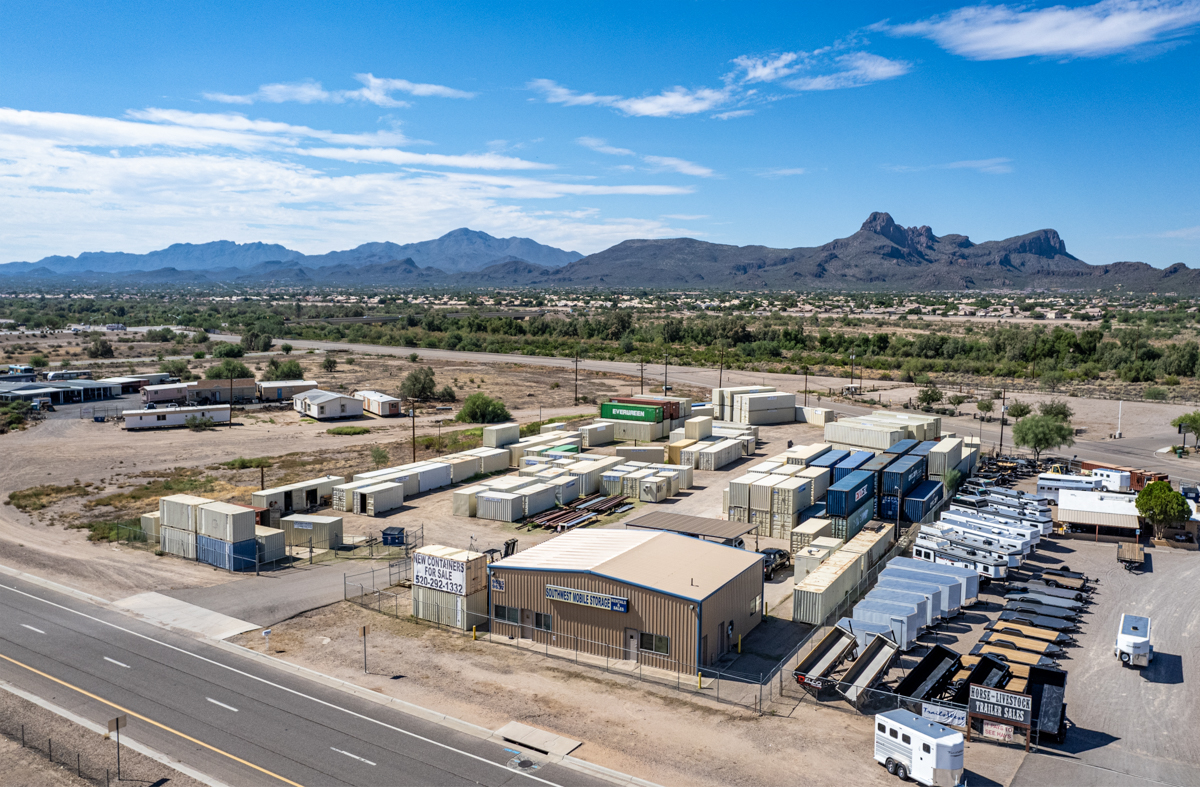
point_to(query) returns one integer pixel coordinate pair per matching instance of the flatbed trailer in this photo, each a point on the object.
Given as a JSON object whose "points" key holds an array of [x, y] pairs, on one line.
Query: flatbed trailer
{"points": [[1056, 581], [1012, 656], [1131, 555], [1047, 622], [1035, 608], [1036, 586], [1030, 632], [1002, 639]]}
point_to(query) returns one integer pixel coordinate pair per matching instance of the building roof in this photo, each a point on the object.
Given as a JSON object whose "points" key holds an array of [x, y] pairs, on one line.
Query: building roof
{"points": [[165, 386], [318, 396], [699, 526], [1098, 502], [225, 508], [665, 562], [205, 408], [375, 396], [239, 382], [285, 383]]}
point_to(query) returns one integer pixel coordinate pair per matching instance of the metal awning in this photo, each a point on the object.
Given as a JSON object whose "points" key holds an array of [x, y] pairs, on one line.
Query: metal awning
{"points": [[695, 526]]}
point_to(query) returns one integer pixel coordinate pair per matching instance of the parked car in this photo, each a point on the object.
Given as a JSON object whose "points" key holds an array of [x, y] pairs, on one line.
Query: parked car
{"points": [[774, 560]]}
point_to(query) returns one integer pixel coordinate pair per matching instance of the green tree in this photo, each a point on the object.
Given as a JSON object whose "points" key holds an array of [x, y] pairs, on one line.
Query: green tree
{"points": [[287, 348], [446, 394], [1162, 506], [178, 368], [227, 350], [1056, 409], [199, 354], [952, 480], [956, 401], [379, 455], [287, 370], [1188, 424], [1018, 409], [255, 342], [479, 408], [200, 337], [99, 348], [985, 406], [229, 369], [1042, 432], [39, 362], [419, 384], [929, 396], [329, 364]]}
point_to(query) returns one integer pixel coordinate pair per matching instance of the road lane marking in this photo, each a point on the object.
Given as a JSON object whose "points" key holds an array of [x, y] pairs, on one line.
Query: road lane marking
{"points": [[31, 628], [355, 756], [148, 720], [114, 661], [317, 700], [223, 705]]}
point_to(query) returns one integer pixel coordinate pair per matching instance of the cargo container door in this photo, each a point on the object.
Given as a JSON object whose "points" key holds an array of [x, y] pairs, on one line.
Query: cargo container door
{"points": [[287, 502], [310, 498]]}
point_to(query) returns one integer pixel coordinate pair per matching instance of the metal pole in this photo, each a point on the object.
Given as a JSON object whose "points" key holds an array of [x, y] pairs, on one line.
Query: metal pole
{"points": [[806, 386], [365, 651], [721, 371], [118, 753], [412, 413], [576, 377], [262, 478], [642, 376], [1003, 407], [665, 359]]}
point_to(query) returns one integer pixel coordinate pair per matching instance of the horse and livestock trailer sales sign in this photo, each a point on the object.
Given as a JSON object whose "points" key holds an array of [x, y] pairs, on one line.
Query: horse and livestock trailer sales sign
{"points": [[1005, 707]]}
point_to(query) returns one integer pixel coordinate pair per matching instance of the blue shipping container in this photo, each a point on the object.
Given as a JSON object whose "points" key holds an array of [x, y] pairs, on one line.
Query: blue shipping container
{"points": [[924, 448], [851, 493], [813, 512], [851, 463], [903, 474], [829, 459], [923, 499], [239, 556], [903, 447], [849, 527], [888, 507]]}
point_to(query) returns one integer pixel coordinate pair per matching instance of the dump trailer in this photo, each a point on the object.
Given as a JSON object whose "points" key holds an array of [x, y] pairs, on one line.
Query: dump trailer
{"points": [[932, 675], [988, 671], [868, 669], [1048, 688], [1043, 622], [1029, 632], [812, 673]]}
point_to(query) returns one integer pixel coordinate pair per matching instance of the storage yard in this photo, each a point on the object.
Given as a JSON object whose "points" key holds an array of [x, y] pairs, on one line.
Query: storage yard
{"points": [[827, 491]]}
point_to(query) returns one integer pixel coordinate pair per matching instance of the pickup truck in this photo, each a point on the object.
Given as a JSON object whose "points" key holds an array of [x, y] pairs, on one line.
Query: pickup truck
{"points": [[774, 560]]}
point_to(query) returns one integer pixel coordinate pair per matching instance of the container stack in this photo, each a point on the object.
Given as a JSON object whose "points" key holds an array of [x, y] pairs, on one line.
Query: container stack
{"points": [[850, 503], [379, 499], [944, 457], [804, 533], [817, 595], [859, 433], [851, 463], [178, 516], [764, 408], [499, 506], [723, 398], [225, 536], [596, 434], [898, 479], [449, 587], [788, 498]]}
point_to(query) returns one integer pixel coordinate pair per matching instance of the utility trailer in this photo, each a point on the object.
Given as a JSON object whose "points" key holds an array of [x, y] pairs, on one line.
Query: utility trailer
{"points": [[1012, 656], [868, 669], [1058, 581], [1030, 632], [1046, 600], [987, 671], [1048, 688], [1028, 644], [813, 671], [1037, 586], [932, 675], [1131, 555], [1133, 641], [1019, 616]]}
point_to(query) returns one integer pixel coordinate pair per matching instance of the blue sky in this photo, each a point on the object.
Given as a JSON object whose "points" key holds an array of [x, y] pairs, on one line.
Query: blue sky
{"points": [[127, 126]]}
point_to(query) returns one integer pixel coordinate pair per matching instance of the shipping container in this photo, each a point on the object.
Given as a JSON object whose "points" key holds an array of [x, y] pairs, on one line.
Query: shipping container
{"points": [[804, 454], [697, 428], [888, 508], [299, 496], [807, 560], [686, 474], [500, 435], [739, 489], [921, 501], [829, 459], [434, 475], [760, 492], [902, 447], [803, 534], [851, 463], [566, 489], [462, 501], [872, 544], [848, 527], [379, 499], [717, 456], [538, 498], [903, 475], [342, 500], [237, 556], [323, 532], [631, 412], [845, 497], [815, 511], [447, 609], [151, 523], [272, 544], [818, 595], [653, 489], [791, 495], [924, 448], [817, 416], [181, 543], [180, 512], [596, 434], [499, 506], [862, 434], [463, 467], [226, 522], [642, 453], [820, 477], [450, 569]]}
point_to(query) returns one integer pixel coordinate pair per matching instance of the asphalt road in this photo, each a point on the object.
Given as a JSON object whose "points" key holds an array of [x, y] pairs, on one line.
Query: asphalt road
{"points": [[227, 716]]}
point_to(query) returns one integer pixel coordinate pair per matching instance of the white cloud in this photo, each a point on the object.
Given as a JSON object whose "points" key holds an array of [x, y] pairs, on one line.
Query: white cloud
{"points": [[990, 166], [1186, 233], [72, 183], [736, 113], [600, 146], [375, 90], [1002, 32], [670, 103], [767, 69], [852, 70], [229, 121], [782, 172], [679, 165], [685, 216]]}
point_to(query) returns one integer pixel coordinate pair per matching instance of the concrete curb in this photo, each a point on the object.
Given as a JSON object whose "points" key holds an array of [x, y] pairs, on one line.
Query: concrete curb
{"points": [[126, 741], [49, 585], [458, 725]]}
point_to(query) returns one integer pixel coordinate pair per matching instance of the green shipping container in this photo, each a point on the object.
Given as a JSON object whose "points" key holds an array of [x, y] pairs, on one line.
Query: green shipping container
{"points": [[631, 412]]}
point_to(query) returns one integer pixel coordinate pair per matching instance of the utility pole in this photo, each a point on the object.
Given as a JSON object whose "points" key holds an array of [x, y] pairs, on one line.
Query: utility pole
{"points": [[577, 377], [642, 375], [721, 371], [1003, 407], [852, 357], [806, 385], [363, 632], [412, 413], [665, 359]]}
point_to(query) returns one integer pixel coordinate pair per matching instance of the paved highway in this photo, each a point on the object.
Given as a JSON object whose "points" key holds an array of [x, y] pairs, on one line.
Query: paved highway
{"points": [[228, 716]]}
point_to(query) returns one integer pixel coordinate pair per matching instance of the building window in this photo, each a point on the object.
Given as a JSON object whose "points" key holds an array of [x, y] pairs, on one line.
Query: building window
{"points": [[656, 644], [543, 622], [508, 614], [343, 408], [754, 605]]}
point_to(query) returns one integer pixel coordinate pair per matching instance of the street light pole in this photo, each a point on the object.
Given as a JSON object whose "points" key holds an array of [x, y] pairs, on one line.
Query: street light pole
{"points": [[666, 357]]}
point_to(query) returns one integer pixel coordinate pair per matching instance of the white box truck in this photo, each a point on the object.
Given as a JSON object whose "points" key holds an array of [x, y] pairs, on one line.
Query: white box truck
{"points": [[911, 747], [1133, 646]]}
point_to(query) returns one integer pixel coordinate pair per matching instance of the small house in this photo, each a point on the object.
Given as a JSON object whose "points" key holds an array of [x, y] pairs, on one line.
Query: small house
{"points": [[326, 405]]}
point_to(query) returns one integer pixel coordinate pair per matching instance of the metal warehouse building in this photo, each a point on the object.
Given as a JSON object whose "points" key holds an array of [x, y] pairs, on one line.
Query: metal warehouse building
{"points": [[660, 599]]}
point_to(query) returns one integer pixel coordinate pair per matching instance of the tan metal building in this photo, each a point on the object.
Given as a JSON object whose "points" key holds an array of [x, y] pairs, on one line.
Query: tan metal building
{"points": [[660, 599]]}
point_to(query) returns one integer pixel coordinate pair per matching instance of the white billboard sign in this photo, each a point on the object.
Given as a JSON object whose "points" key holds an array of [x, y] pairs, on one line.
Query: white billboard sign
{"points": [[439, 573]]}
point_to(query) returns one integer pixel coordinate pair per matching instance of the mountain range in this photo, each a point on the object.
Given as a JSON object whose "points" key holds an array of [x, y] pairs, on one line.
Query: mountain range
{"points": [[881, 255]]}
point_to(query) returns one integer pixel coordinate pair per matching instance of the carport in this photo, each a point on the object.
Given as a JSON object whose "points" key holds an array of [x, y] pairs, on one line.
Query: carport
{"points": [[695, 526]]}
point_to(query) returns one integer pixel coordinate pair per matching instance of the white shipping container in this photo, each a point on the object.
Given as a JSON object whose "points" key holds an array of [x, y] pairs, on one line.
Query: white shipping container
{"points": [[493, 460], [807, 560], [613, 482], [820, 481], [717, 456], [179, 512], [272, 545], [631, 483], [500, 435], [597, 434], [651, 453], [538, 498], [379, 499], [181, 543], [803, 454], [686, 474], [783, 524], [463, 467], [462, 501], [566, 489], [856, 432], [768, 417], [806, 532], [738, 514], [697, 428], [653, 489], [739, 489], [760, 493], [791, 495], [499, 506], [151, 523], [761, 521], [872, 545], [945, 456], [226, 522], [342, 500], [434, 475]]}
